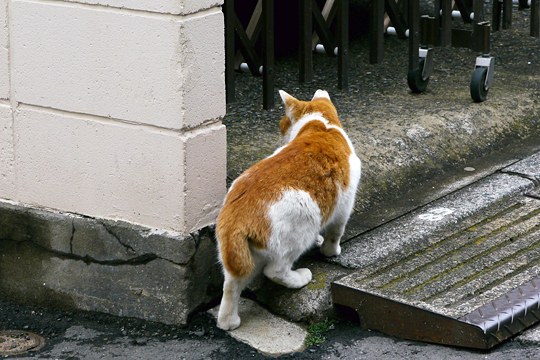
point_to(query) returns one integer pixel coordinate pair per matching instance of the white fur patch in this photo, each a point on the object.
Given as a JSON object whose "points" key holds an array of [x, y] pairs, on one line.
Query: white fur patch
{"points": [[321, 94], [316, 116], [295, 221], [297, 126]]}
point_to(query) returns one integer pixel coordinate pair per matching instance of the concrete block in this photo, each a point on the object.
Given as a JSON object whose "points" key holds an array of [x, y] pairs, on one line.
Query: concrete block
{"points": [[49, 230], [98, 240], [156, 291], [112, 241], [4, 51], [182, 7], [206, 173], [133, 66], [100, 169], [7, 180], [311, 303], [146, 287], [94, 240], [203, 58]]}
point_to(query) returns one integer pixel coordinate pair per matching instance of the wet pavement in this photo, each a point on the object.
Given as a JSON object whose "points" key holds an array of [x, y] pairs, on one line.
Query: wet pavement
{"points": [[79, 335]]}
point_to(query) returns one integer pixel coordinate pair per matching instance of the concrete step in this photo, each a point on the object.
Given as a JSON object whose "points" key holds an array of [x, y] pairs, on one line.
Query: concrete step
{"points": [[269, 334]]}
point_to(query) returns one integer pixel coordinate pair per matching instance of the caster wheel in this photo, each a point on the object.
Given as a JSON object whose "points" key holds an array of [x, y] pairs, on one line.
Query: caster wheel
{"points": [[478, 80], [414, 79]]}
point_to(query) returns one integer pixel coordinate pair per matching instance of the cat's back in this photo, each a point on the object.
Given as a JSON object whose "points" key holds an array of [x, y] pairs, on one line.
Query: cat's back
{"points": [[315, 162]]}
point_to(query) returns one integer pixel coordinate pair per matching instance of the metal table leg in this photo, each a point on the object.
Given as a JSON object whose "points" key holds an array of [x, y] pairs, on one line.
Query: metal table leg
{"points": [[343, 44], [535, 18], [376, 31], [268, 54], [228, 8], [305, 47]]}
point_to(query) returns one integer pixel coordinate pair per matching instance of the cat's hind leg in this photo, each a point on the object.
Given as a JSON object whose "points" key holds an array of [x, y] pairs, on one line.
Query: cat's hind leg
{"points": [[331, 244], [281, 273], [228, 318], [334, 230]]}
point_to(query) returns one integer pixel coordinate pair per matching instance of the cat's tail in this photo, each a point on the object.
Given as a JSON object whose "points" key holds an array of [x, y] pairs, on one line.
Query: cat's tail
{"points": [[235, 252]]}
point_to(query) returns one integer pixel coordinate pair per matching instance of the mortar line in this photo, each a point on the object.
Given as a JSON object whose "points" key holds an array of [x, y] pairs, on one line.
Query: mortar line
{"points": [[182, 132], [124, 10]]}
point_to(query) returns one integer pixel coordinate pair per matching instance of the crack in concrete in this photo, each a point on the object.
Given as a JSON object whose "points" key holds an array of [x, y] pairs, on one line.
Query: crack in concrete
{"points": [[534, 180], [110, 232], [138, 260], [72, 236], [195, 240], [533, 196]]}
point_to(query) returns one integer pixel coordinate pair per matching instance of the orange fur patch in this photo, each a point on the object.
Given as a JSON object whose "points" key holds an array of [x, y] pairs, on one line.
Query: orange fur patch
{"points": [[316, 161]]}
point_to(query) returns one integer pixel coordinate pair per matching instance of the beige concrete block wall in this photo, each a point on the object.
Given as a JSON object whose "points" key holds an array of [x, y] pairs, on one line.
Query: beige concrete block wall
{"points": [[4, 59], [113, 109], [7, 176]]}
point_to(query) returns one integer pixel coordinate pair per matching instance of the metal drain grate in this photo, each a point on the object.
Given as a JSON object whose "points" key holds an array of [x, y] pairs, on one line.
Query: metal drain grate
{"points": [[13, 342], [475, 287]]}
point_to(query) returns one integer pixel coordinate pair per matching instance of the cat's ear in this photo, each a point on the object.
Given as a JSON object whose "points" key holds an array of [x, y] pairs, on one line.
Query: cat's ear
{"points": [[321, 94], [286, 98]]}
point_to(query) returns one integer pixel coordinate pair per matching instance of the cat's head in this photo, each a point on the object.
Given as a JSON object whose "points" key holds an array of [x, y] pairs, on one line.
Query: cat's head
{"points": [[296, 109]]}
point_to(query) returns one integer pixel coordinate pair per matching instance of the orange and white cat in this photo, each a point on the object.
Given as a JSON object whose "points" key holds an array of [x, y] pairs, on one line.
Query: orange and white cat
{"points": [[278, 208]]}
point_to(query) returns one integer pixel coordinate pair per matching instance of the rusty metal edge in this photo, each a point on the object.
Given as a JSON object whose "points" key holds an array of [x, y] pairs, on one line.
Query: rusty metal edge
{"points": [[405, 321], [509, 314]]}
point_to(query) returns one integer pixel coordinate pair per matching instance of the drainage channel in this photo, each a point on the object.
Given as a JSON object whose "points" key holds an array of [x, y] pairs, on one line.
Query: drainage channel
{"points": [[475, 287], [14, 342]]}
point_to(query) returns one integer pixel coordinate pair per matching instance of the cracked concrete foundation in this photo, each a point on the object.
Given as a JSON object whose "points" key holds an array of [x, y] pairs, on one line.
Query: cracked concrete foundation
{"points": [[72, 261]]}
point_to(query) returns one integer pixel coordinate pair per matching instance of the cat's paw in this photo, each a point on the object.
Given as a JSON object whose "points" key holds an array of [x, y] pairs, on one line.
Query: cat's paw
{"points": [[319, 241], [228, 323], [305, 276], [329, 249]]}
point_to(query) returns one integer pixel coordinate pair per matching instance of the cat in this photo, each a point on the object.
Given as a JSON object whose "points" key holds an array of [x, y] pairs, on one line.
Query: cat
{"points": [[278, 208]]}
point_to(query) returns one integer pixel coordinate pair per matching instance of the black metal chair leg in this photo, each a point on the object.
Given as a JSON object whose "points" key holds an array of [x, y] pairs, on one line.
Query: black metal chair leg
{"points": [[306, 51], [535, 18], [228, 8], [445, 37], [507, 14], [496, 12], [343, 44], [376, 31], [413, 19], [268, 54]]}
